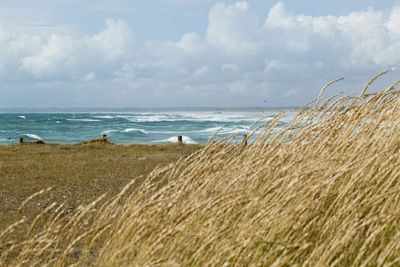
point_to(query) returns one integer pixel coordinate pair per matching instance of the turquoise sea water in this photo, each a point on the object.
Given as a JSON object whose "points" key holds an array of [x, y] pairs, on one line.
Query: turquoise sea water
{"points": [[143, 127]]}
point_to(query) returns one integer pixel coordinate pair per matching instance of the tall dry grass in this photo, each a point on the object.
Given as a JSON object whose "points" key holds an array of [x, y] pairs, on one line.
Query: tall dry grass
{"points": [[323, 191]]}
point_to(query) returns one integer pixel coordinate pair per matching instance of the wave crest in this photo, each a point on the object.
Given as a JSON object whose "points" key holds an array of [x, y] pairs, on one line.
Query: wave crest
{"points": [[174, 139]]}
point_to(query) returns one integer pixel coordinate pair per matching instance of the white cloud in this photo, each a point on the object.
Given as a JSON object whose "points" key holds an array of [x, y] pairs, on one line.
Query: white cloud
{"points": [[65, 56], [233, 27], [201, 71], [278, 17], [238, 60], [393, 24], [56, 56], [356, 39], [91, 76], [190, 42], [116, 40]]}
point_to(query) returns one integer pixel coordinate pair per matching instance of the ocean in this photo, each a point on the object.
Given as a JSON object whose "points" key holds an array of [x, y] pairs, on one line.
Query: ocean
{"points": [[130, 127]]}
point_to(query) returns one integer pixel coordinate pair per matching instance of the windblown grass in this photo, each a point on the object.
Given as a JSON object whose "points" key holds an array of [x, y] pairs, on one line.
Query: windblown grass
{"points": [[324, 191], [78, 174]]}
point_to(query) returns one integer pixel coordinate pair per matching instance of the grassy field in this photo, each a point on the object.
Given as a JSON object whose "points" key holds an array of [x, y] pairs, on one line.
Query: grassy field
{"points": [[325, 191], [78, 174]]}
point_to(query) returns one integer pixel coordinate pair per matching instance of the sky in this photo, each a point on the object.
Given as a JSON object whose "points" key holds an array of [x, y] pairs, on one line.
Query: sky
{"points": [[192, 53]]}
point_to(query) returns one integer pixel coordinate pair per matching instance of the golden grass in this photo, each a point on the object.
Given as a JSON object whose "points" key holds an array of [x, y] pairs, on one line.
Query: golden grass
{"points": [[78, 174], [323, 192]]}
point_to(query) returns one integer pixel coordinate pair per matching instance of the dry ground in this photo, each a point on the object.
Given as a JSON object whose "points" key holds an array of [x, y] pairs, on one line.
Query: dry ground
{"points": [[77, 173]]}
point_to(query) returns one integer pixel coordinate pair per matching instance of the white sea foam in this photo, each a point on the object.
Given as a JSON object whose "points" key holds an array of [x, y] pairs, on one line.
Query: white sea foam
{"points": [[109, 131], [58, 122], [143, 117], [103, 117], [135, 130], [34, 136], [225, 117], [197, 116], [212, 130], [174, 139], [227, 130], [86, 120], [163, 132], [22, 117], [149, 118]]}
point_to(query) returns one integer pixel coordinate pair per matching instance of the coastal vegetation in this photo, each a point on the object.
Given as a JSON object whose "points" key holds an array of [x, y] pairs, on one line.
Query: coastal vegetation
{"points": [[77, 174], [324, 191]]}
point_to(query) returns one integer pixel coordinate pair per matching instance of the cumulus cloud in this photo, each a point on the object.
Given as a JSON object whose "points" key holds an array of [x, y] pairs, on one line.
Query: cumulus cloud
{"points": [[355, 39], [67, 57], [242, 60], [190, 42], [393, 24], [233, 27]]}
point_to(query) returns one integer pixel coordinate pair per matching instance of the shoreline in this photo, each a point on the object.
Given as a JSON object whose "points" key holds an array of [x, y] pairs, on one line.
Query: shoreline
{"points": [[96, 140]]}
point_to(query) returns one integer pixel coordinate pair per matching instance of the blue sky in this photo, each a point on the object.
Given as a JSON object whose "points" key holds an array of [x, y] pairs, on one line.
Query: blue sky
{"points": [[175, 53]]}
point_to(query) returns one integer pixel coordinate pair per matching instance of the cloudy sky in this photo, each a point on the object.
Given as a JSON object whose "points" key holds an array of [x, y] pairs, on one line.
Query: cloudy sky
{"points": [[190, 53]]}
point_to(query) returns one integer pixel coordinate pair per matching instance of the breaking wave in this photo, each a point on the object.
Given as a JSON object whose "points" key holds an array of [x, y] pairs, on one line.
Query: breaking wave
{"points": [[174, 139], [103, 117], [88, 120], [134, 130], [33, 136]]}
